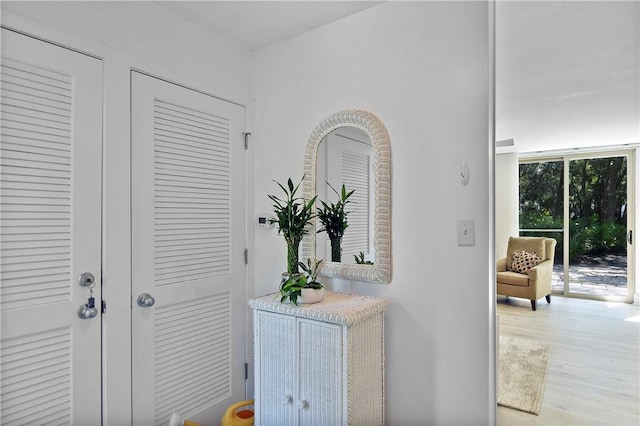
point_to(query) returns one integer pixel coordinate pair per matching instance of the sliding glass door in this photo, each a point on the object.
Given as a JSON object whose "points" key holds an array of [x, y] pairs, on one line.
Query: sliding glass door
{"points": [[597, 213], [542, 208], [584, 202]]}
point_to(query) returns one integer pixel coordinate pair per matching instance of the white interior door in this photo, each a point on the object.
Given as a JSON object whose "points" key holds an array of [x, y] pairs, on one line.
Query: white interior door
{"points": [[50, 188], [188, 240]]}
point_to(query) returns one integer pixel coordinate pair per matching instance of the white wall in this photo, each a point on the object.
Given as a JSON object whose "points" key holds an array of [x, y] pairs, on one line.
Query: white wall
{"points": [[129, 35], [424, 69], [507, 194]]}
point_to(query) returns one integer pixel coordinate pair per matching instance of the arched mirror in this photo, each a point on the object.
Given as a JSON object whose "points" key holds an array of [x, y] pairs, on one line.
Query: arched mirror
{"points": [[352, 148]]}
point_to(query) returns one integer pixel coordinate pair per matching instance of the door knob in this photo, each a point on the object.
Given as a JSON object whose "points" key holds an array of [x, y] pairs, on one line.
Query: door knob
{"points": [[87, 280], [145, 300]]}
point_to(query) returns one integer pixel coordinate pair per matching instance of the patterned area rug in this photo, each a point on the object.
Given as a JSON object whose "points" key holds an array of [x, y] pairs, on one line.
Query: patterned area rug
{"points": [[522, 373]]}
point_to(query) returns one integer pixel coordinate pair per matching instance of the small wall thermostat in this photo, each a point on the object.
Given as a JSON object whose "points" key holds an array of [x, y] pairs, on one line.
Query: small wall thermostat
{"points": [[263, 222]]}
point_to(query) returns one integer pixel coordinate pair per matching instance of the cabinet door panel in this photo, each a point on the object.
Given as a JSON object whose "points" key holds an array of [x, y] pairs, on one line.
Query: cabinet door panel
{"points": [[276, 364], [320, 346]]}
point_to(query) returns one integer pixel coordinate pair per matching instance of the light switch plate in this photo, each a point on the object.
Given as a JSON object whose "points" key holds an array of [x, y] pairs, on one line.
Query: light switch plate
{"points": [[466, 232]]}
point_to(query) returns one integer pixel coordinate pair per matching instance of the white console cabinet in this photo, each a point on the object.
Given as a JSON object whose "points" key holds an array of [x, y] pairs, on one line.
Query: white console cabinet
{"points": [[319, 364]]}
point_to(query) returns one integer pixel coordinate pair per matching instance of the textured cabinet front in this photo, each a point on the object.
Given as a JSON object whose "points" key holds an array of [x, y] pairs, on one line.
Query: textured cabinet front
{"points": [[276, 351], [319, 364], [320, 372]]}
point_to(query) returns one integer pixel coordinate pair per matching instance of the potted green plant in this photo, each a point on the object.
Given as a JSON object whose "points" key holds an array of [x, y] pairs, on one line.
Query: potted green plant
{"points": [[333, 217], [360, 259], [293, 214], [303, 287]]}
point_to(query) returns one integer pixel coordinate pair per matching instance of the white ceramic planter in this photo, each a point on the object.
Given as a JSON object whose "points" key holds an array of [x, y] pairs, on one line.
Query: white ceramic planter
{"points": [[311, 295]]}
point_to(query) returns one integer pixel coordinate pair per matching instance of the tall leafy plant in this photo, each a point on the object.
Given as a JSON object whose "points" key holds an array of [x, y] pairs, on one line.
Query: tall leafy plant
{"points": [[333, 217], [293, 214]]}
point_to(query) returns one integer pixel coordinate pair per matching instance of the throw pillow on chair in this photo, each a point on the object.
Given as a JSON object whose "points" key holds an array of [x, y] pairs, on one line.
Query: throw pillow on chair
{"points": [[522, 261]]}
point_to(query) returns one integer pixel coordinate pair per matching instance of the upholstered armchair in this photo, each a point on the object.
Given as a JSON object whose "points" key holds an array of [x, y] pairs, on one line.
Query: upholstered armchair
{"points": [[527, 269]]}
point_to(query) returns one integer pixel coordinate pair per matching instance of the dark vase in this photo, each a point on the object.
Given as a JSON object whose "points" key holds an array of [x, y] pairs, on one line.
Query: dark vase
{"points": [[292, 257], [336, 250]]}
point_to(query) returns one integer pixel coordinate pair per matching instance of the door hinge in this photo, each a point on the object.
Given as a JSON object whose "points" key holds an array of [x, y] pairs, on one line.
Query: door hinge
{"points": [[246, 139], [246, 371], [104, 307], [246, 256]]}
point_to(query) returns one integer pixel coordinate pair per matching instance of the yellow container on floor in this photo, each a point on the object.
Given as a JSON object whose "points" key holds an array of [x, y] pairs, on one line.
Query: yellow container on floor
{"points": [[236, 417]]}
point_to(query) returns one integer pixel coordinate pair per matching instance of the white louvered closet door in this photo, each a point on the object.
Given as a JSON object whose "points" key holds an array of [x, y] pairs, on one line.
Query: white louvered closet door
{"points": [[50, 188], [188, 240]]}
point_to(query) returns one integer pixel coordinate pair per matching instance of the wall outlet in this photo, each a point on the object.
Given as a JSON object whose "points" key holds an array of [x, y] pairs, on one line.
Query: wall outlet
{"points": [[466, 232]]}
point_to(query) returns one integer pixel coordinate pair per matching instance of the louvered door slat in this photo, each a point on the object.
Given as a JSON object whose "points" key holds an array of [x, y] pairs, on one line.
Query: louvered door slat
{"points": [[191, 151], [37, 97], [39, 83], [37, 254], [30, 119], [208, 158], [168, 248], [17, 103], [29, 135], [35, 207], [33, 241], [207, 176], [170, 339], [25, 206], [33, 72], [186, 134], [36, 276], [34, 369], [37, 150], [165, 136], [190, 146], [18, 172], [189, 114], [178, 173]]}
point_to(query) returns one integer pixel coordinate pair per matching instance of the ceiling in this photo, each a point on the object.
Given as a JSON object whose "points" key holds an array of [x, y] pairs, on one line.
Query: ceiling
{"points": [[567, 72], [257, 24]]}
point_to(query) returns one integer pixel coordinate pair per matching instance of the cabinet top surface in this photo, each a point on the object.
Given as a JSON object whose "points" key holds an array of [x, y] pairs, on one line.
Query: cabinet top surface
{"points": [[338, 308]]}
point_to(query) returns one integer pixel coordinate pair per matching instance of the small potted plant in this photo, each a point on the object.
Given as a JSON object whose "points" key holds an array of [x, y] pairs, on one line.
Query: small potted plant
{"points": [[303, 287], [360, 259], [293, 214], [333, 218]]}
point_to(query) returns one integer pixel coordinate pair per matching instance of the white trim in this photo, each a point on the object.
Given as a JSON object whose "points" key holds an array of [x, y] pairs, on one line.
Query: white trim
{"points": [[556, 153]]}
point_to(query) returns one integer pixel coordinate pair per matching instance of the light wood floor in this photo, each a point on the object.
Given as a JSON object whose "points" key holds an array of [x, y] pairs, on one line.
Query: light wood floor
{"points": [[594, 371]]}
